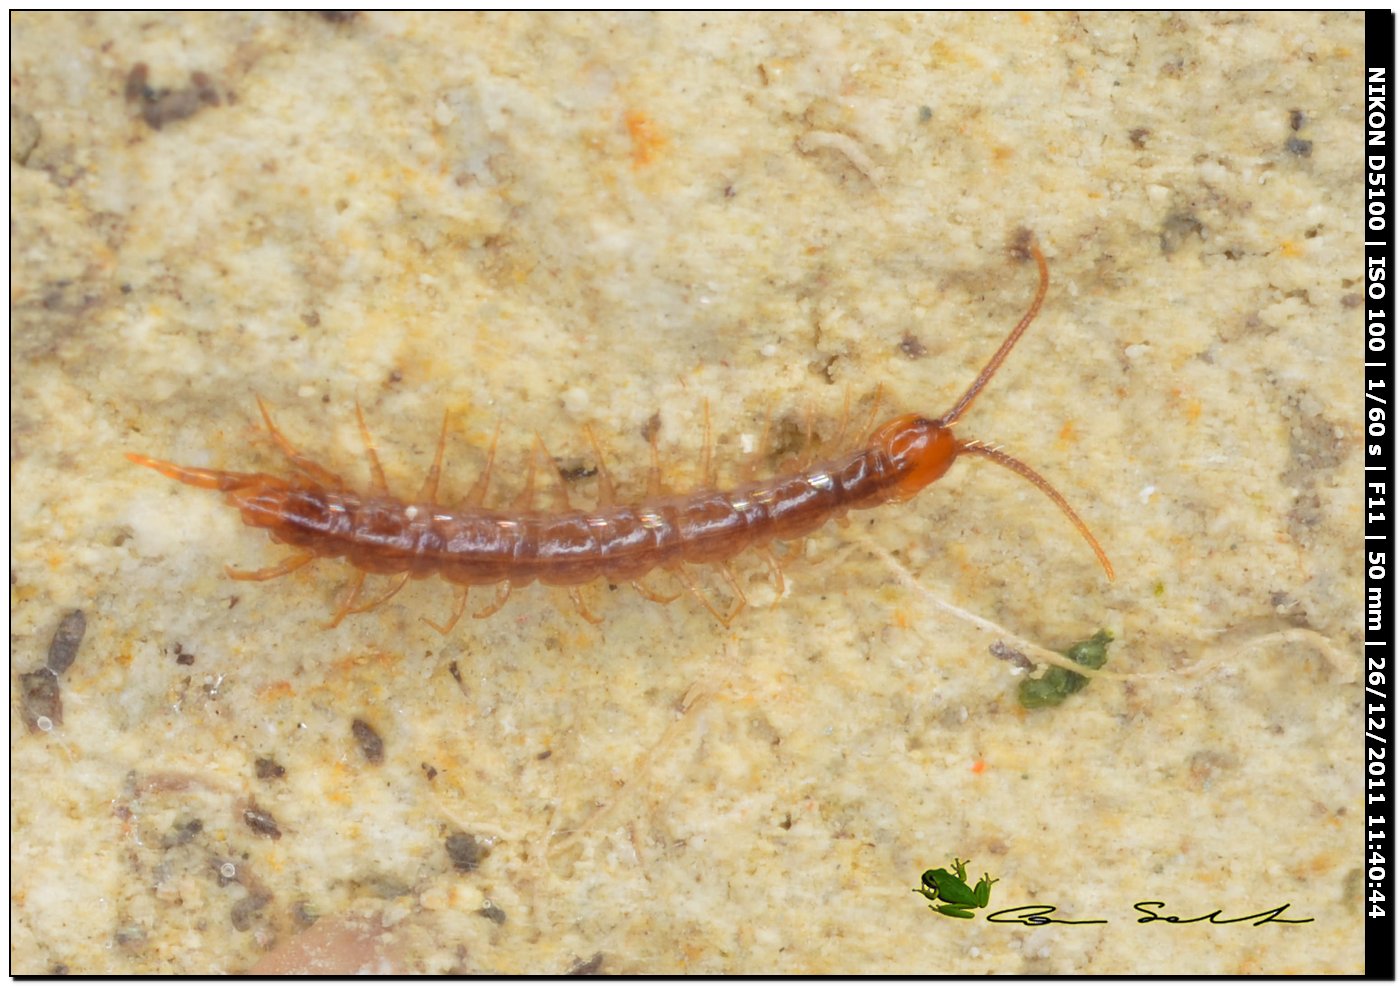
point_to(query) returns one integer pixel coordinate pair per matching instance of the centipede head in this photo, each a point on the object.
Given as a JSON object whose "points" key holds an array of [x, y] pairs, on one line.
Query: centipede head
{"points": [[920, 450]]}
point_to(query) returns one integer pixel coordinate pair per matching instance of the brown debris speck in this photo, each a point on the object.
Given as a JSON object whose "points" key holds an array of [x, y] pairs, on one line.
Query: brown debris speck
{"points": [[162, 106], [587, 967], [267, 769], [63, 649], [40, 700], [370, 743], [261, 822], [465, 851]]}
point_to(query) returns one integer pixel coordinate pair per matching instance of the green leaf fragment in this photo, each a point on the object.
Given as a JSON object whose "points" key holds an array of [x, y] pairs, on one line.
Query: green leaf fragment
{"points": [[1057, 684]]}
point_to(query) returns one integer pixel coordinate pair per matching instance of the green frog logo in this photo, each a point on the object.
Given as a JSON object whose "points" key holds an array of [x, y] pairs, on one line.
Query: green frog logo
{"points": [[958, 899]]}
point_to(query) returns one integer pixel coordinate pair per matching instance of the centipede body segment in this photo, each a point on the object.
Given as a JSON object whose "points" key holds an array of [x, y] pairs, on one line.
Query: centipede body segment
{"points": [[319, 515]]}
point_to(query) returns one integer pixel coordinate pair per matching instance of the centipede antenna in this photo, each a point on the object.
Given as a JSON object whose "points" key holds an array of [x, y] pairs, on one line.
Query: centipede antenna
{"points": [[1041, 483], [993, 364]]}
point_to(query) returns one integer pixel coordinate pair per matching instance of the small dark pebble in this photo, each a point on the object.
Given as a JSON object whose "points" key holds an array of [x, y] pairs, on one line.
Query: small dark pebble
{"points": [[61, 969], [492, 913], [267, 769], [1138, 136], [261, 822], [1296, 120], [370, 743], [586, 967], [40, 699], [241, 914], [455, 672], [429, 771], [544, 754], [338, 16], [1302, 148], [63, 649], [925, 114], [182, 833], [464, 851], [183, 657], [911, 346]]}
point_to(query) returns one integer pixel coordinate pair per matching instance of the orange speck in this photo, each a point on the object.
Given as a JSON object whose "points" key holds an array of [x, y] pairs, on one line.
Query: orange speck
{"points": [[646, 139], [978, 766], [1067, 433], [1290, 248], [1193, 411], [276, 690], [124, 659], [901, 619]]}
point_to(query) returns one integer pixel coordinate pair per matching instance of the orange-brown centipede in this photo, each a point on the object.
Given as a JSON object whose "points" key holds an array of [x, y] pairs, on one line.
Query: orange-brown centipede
{"points": [[316, 512]]}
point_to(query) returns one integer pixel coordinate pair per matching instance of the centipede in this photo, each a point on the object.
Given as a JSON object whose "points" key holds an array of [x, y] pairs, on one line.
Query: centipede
{"points": [[319, 515]]}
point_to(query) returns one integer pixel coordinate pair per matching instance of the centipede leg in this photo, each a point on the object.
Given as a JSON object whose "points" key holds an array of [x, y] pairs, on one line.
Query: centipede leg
{"points": [[779, 583], [838, 442], [685, 579], [760, 451], [398, 584], [526, 499], [874, 410], [477, 496], [458, 608], [348, 606], [376, 470], [288, 565], [652, 595], [502, 594], [729, 577], [300, 462], [606, 491], [561, 492], [654, 487], [808, 453], [576, 596], [429, 492], [707, 461]]}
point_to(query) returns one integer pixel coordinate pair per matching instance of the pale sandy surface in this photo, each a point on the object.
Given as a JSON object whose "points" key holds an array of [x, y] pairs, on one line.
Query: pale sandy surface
{"points": [[564, 221]]}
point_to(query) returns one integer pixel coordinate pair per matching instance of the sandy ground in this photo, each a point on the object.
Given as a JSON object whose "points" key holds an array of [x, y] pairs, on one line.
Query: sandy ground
{"points": [[553, 222]]}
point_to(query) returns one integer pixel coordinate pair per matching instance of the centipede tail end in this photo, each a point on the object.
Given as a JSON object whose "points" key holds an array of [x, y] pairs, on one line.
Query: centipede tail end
{"points": [[208, 479]]}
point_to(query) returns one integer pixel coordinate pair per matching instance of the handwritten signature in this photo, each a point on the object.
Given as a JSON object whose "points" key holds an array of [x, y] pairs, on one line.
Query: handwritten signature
{"points": [[1038, 914]]}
